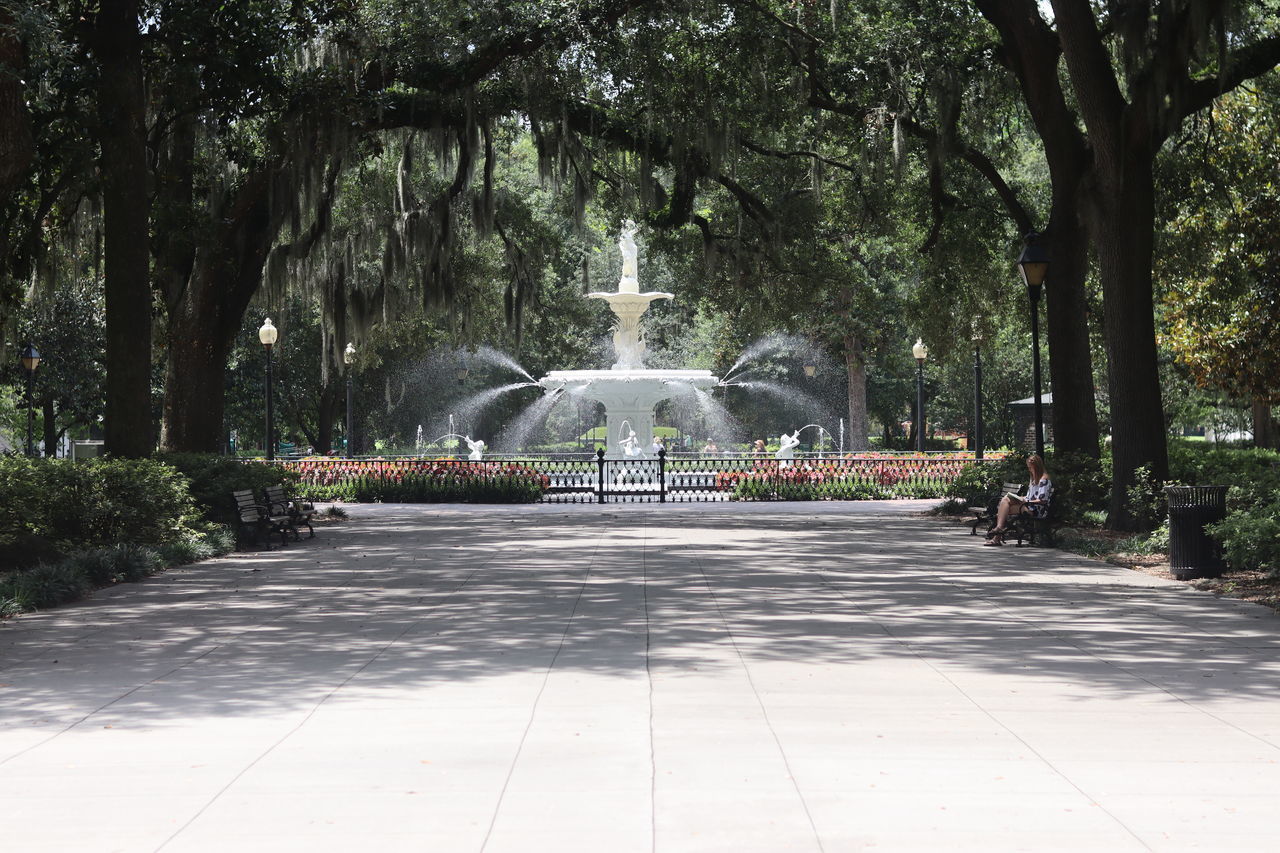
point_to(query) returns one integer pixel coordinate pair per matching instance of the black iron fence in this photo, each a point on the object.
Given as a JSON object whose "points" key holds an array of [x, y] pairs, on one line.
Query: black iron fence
{"points": [[574, 478]]}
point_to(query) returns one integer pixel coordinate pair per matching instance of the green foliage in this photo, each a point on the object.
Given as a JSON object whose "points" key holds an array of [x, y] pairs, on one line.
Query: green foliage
{"points": [[440, 488], [213, 478], [1250, 537], [977, 483], [952, 506], [1256, 472], [1081, 484], [40, 588], [335, 512], [93, 503]]}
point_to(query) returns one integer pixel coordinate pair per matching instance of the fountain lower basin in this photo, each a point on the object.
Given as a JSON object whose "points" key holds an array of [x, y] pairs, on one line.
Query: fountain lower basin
{"points": [[629, 395]]}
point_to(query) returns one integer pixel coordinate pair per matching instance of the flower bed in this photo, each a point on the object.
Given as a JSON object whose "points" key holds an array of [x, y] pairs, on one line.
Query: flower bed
{"points": [[861, 477], [416, 481]]}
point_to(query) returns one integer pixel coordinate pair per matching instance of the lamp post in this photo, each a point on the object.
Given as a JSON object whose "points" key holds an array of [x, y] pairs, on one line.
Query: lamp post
{"points": [[30, 361], [977, 392], [268, 334], [349, 359], [921, 352], [1033, 263]]}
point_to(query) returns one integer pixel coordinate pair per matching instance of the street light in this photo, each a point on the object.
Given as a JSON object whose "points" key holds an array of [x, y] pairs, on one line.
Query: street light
{"points": [[921, 352], [461, 371], [1033, 263], [349, 359], [268, 334], [30, 361], [977, 391]]}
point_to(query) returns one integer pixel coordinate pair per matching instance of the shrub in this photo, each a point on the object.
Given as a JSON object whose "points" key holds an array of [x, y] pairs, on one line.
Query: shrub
{"points": [[213, 478], [1081, 484], [77, 505], [977, 483], [1250, 536]]}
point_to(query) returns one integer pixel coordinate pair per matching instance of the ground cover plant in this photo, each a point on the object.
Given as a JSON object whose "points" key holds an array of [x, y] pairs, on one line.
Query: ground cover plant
{"points": [[67, 527]]}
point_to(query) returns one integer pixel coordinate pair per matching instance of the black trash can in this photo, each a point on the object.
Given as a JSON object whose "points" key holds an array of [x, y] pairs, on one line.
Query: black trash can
{"points": [[1192, 554]]}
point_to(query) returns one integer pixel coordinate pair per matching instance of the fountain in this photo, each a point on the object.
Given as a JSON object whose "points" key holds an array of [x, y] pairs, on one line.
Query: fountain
{"points": [[628, 390]]}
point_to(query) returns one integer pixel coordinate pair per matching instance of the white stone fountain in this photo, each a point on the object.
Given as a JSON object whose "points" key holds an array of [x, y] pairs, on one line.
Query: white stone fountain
{"points": [[629, 390]]}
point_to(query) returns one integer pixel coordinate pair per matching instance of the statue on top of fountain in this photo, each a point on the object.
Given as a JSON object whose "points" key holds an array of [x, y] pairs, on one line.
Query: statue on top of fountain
{"points": [[476, 447], [628, 304], [630, 267]]}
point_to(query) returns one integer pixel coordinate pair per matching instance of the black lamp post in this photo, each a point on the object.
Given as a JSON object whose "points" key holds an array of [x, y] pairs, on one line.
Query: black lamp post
{"points": [[921, 352], [268, 334], [977, 392], [30, 361], [1034, 264], [349, 359]]}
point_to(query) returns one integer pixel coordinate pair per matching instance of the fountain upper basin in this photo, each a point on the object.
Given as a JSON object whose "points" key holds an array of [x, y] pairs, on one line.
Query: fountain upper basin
{"points": [[628, 377]]}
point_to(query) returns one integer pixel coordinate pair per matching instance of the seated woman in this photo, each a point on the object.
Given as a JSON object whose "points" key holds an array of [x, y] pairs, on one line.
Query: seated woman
{"points": [[1036, 503]]}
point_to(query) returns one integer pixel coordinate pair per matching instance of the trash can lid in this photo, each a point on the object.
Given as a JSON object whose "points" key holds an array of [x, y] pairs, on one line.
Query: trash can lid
{"points": [[1196, 495]]}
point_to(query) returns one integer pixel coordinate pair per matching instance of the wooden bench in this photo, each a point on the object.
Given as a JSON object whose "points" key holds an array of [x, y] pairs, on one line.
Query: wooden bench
{"points": [[987, 514], [256, 518], [279, 503]]}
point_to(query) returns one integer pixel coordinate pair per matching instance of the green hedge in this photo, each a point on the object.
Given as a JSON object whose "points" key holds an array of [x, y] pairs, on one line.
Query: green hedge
{"points": [[93, 503]]}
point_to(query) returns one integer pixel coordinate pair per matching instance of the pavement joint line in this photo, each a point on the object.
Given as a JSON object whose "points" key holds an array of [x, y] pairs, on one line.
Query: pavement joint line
{"points": [[284, 612], [533, 710], [1066, 638], [906, 644], [309, 714], [648, 673], [764, 711]]}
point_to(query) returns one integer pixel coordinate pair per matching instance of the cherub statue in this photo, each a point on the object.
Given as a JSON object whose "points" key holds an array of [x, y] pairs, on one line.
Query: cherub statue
{"points": [[631, 445], [787, 445], [477, 448]]}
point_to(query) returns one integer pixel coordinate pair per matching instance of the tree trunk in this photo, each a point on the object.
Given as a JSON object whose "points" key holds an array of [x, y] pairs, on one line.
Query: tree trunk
{"points": [[1124, 235], [194, 382], [17, 148], [49, 419], [856, 367], [1075, 418], [204, 319], [330, 398], [1266, 432], [122, 138]]}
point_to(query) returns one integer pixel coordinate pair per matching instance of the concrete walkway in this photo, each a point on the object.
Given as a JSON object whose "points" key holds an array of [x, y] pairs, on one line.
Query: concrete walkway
{"points": [[805, 677]]}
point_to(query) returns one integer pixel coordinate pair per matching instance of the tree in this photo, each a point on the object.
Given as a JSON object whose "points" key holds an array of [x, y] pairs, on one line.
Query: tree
{"points": [[1222, 305], [67, 326], [1175, 57]]}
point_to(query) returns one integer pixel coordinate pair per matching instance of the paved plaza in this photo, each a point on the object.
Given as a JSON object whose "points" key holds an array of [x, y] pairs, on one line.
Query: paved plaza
{"points": [[801, 677]]}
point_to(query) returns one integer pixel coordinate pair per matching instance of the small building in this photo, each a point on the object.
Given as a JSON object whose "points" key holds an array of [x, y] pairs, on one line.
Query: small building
{"points": [[1023, 415]]}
